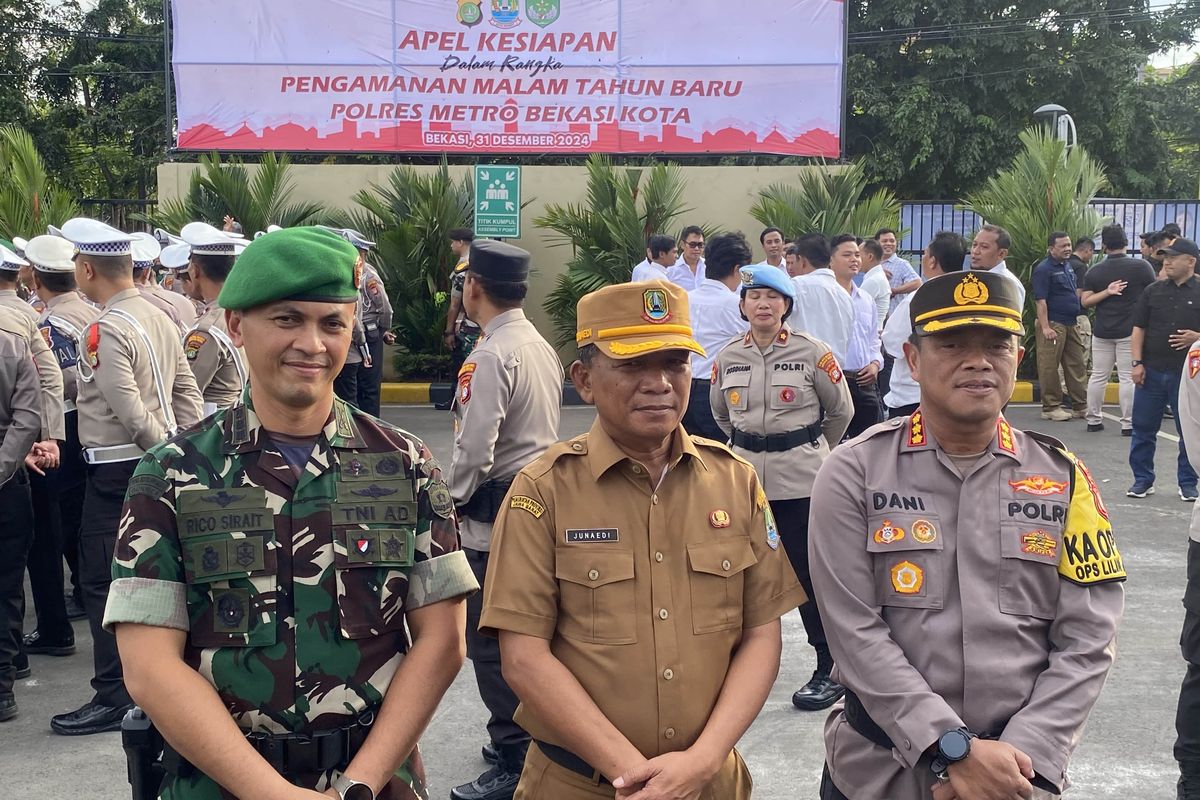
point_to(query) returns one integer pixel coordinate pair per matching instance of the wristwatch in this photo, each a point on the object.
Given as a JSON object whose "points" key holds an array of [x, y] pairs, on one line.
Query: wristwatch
{"points": [[1137, 362], [952, 746], [350, 789]]}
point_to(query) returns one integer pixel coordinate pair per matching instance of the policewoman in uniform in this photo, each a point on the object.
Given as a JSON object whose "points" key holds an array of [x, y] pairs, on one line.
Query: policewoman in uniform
{"points": [[506, 415], [58, 508], [635, 580], [218, 365], [782, 399], [271, 558], [135, 390], [969, 579]]}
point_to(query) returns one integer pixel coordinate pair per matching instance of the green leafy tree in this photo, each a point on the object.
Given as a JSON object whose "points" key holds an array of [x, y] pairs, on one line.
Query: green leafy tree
{"points": [[1046, 188], [828, 201], [29, 200], [255, 197], [410, 217], [938, 93], [607, 232]]}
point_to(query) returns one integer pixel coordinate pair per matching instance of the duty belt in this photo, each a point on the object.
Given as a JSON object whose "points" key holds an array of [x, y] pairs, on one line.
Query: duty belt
{"points": [[295, 753], [113, 454], [568, 760], [776, 442]]}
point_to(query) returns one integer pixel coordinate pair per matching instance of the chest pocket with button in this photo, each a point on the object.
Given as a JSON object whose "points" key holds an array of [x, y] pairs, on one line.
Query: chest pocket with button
{"points": [[907, 559], [717, 581], [374, 537], [736, 388], [597, 598], [791, 389], [1029, 581], [230, 564]]}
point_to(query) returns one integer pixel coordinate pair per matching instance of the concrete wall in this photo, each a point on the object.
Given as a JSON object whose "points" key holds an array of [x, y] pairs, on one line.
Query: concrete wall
{"points": [[719, 196]]}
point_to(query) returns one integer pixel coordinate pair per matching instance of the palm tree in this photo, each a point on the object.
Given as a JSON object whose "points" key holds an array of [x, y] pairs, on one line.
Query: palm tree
{"points": [[607, 233], [255, 199], [1047, 188], [828, 201], [29, 201], [410, 218]]}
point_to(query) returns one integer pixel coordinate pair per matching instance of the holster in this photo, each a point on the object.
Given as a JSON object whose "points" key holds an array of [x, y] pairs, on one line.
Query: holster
{"points": [[484, 505], [143, 747]]}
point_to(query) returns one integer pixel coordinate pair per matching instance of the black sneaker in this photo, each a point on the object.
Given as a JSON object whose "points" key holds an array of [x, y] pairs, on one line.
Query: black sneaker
{"points": [[820, 692], [443, 406], [21, 662], [38, 645], [88, 719], [1188, 787], [8, 708], [498, 783], [1095, 428]]}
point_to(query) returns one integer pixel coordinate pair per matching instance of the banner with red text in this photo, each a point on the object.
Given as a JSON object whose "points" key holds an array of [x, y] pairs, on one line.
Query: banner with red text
{"points": [[513, 76]]}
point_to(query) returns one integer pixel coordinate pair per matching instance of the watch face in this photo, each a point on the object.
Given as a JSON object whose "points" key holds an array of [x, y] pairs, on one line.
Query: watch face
{"points": [[359, 791], [954, 745]]}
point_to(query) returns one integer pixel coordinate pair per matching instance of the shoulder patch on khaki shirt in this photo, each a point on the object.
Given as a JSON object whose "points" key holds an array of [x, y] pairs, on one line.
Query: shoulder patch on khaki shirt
{"points": [[193, 343], [528, 504], [1193, 364]]}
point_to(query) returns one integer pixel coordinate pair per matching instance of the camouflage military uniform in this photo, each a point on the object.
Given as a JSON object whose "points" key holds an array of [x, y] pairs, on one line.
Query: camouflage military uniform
{"points": [[293, 590]]}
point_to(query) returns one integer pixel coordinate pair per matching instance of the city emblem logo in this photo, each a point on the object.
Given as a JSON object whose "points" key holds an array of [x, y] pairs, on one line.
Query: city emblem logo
{"points": [[655, 307], [907, 578], [889, 533], [542, 12], [970, 291], [469, 12], [506, 13]]}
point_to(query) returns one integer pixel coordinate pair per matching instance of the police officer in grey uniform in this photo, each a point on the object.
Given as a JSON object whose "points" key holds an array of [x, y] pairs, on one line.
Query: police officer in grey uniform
{"points": [[135, 389], [57, 497], [782, 399], [1187, 718], [219, 366], [376, 311], [20, 422], [506, 414], [146, 251], [969, 578]]}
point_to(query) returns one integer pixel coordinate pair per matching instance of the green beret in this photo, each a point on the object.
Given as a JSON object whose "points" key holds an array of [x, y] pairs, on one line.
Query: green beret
{"points": [[293, 264]]}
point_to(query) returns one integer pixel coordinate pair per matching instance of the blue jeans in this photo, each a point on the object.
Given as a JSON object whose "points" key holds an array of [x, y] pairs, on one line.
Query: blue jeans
{"points": [[1160, 389]]}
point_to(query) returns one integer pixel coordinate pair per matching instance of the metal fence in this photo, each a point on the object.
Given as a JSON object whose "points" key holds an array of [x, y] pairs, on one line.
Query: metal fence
{"points": [[119, 213], [922, 220]]}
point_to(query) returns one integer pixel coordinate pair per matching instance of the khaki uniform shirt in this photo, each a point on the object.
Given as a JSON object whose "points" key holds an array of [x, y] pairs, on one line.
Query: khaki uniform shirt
{"points": [[20, 404], [162, 304], [20, 318], [643, 592], [990, 600], [1188, 415], [63, 322], [512, 367], [118, 397], [375, 305], [784, 388], [181, 310], [216, 363]]}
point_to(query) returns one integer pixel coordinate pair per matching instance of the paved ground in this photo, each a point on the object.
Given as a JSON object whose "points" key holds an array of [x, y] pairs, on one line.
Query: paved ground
{"points": [[1126, 750]]}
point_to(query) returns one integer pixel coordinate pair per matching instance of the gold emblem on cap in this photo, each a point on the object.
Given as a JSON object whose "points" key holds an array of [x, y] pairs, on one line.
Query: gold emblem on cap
{"points": [[970, 291], [655, 307]]}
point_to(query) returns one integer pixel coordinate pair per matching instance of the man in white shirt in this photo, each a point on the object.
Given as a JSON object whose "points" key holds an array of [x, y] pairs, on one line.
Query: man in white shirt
{"points": [[875, 281], [823, 308], [771, 240], [660, 257], [988, 251], [688, 271], [716, 321], [946, 253], [903, 278], [864, 358]]}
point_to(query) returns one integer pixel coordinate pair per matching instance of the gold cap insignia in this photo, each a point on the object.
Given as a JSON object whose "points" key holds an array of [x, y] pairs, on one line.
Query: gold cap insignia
{"points": [[970, 291]]}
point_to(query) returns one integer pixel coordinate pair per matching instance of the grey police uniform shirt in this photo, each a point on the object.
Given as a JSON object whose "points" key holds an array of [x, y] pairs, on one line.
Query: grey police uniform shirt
{"points": [[1189, 421], [20, 318], [68, 315], [20, 404], [506, 411], [990, 600], [795, 382], [374, 302], [216, 364], [118, 397]]}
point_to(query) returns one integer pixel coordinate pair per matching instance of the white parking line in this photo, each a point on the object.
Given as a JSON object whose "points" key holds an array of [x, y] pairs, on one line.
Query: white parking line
{"points": [[1170, 437]]}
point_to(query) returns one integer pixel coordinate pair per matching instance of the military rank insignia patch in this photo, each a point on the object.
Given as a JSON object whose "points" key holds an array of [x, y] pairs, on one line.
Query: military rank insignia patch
{"points": [[1039, 543], [830, 366], [923, 531], [527, 504], [889, 533], [916, 430], [193, 343], [907, 578], [92, 350], [713, 377], [358, 272]]}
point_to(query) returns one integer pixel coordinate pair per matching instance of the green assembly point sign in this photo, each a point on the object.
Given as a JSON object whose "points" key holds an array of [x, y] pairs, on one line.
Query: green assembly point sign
{"points": [[498, 201]]}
